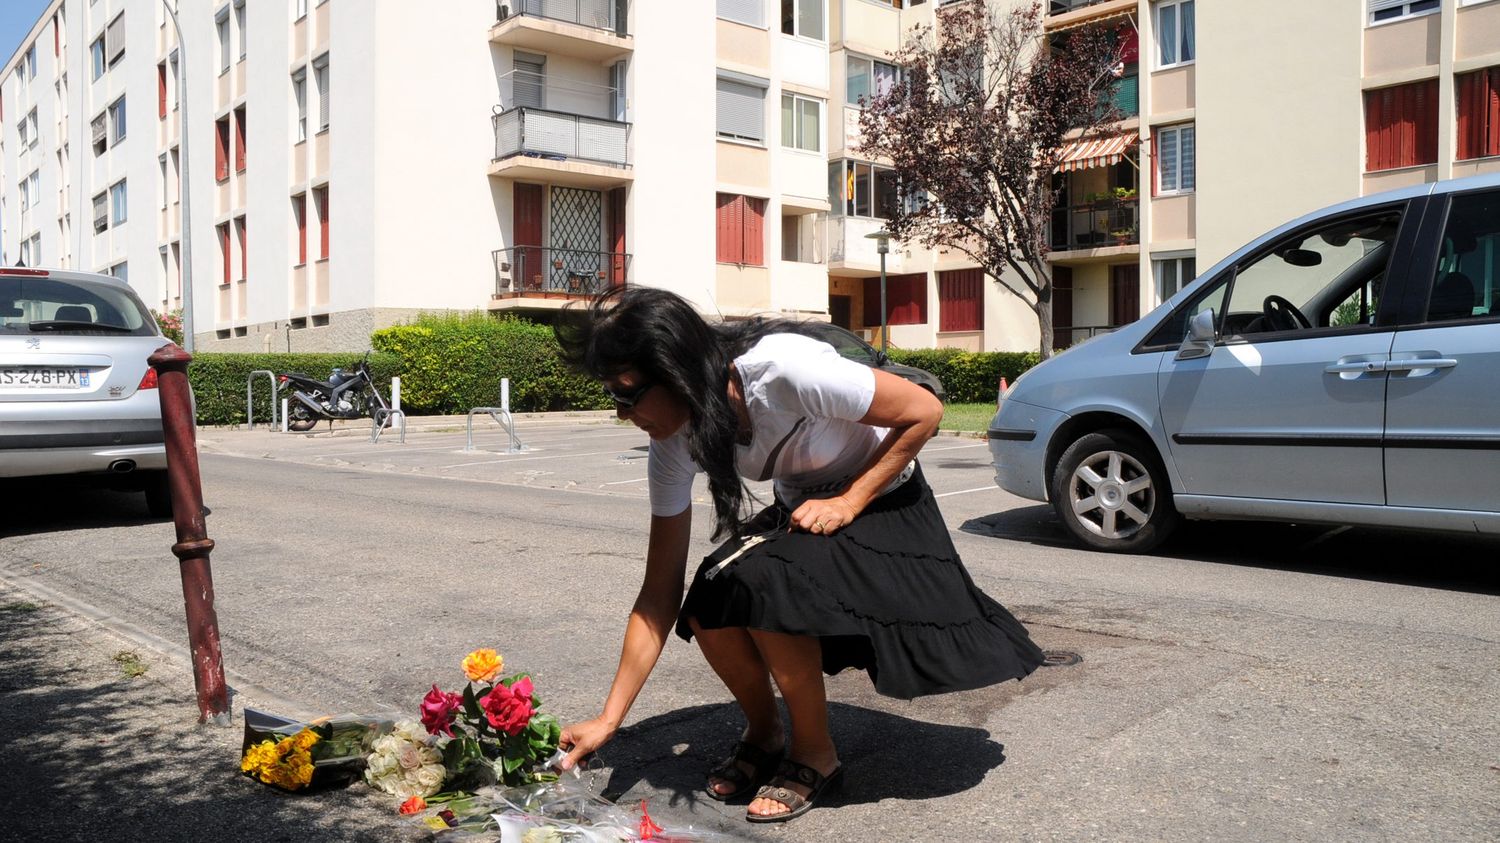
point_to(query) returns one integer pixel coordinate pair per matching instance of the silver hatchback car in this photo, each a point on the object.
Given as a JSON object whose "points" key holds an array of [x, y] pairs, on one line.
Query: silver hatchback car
{"points": [[76, 394], [1342, 369]]}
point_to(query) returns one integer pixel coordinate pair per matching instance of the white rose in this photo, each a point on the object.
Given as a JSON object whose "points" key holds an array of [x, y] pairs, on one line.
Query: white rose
{"points": [[430, 778]]}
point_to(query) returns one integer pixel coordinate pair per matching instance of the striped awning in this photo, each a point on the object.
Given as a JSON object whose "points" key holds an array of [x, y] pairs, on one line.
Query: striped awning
{"points": [[1099, 152]]}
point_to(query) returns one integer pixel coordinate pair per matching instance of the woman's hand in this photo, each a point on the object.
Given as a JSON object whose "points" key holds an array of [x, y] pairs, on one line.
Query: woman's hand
{"points": [[824, 516], [580, 739]]}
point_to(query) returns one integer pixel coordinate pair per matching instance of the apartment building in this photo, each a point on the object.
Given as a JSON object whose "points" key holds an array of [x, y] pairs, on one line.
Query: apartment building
{"points": [[354, 162]]}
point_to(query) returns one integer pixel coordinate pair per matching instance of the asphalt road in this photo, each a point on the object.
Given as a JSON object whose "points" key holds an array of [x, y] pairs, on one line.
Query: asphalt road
{"points": [[1249, 682]]}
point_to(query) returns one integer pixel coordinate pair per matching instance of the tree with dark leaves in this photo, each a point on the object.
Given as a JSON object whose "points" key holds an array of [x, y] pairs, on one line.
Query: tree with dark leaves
{"points": [[976, 126]]}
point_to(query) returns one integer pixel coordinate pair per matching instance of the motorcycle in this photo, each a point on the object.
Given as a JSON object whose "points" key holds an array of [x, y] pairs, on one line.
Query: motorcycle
{"points": [[345, 395]]}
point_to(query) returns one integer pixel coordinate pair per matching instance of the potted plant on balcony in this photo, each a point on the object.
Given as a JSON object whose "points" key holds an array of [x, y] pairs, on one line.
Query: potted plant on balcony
{"points": [[1124, 194], [1123, 236]]}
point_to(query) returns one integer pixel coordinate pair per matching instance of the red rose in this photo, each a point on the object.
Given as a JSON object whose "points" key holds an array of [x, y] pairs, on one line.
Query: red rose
{"points": [[438, 708], [509, 709]]}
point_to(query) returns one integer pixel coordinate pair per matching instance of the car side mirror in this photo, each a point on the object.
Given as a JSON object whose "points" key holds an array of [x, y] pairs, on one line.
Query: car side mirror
{"points": [[1199, 341], [881, 359]]}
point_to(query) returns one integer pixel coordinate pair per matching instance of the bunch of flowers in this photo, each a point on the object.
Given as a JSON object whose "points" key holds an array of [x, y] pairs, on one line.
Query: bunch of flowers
{"points": [[286, 763], [491, 730], [405, 763]]}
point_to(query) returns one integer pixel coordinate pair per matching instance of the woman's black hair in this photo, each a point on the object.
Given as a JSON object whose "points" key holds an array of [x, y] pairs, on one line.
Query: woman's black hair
{"points": [[660, 335]]}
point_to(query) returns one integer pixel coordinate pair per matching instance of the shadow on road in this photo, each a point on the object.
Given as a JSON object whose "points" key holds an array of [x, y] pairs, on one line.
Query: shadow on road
{"points": [[55, 504], [1452, 561], [677, 749]]}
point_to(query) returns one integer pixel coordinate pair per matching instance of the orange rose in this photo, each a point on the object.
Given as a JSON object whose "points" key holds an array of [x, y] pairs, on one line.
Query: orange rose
{"points": [[483, 665], [413, 805]]}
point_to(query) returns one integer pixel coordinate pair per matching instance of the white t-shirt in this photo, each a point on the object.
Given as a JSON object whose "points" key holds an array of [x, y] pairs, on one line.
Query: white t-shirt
{"points": [[805, 403]]}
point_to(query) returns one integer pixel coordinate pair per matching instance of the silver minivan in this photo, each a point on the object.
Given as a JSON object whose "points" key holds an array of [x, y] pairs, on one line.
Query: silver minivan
{"points": [[1342, 369]]}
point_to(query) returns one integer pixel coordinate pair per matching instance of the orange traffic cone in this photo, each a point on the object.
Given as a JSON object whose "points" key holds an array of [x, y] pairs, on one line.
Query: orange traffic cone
{"points": [[1003, 386]]}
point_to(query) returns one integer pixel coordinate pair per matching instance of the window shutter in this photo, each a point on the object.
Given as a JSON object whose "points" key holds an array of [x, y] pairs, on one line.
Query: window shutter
{"points": [[244, 253], [97, 128], [114, 38], [223, 231], [161, 90], [1166, 159], [1382, 5], [323, 218], [961, 300], [221, 149], [528, 77], [1186, 141], [239, 140], [753, 238], [752, 12], [299, 210], [320, 70], [741, 110]]}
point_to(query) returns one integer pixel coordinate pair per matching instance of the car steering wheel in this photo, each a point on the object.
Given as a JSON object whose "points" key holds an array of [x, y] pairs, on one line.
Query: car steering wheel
{"points": [[1282, 315]]}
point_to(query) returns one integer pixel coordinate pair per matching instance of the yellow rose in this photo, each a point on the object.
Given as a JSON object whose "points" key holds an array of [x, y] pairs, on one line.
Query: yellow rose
{"points": [[483, 665]]}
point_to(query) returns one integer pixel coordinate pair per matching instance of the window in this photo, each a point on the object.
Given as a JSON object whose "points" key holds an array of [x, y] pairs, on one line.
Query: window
{"points": [[1172, 274], [752, 12], [161, 162], [23, 131], [802, 237], [800, 119], [31, 250], [803, 18], [114, 39], [31, 60], [1175, 160], [29, 191], [117, 203], [320, 199], [239, 229], [1401, 126], [301, 9], [299, 218], [905, 297], [101, 212], [222, 231], [858, 189], [960, 300], [96, 57], [1479, 114], [741, 229], [29, 133], [868, 78], [1467, 284], [299, 91], [117, 121], [1174, 33], [239, 24], [99, 131], [320, 78], [161, 91], [528, 79], [121, 271], [172, 62], [741, 109], [239, 139], [221, 149], [1384, 10], [222, 23]]}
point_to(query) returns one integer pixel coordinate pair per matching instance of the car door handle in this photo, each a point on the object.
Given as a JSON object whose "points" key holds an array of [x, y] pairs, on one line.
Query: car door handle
{"points": [[1420, 364], [1356, 367]]}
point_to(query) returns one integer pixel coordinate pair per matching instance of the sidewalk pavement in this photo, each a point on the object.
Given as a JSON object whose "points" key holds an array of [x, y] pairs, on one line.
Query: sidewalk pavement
{"points": [[96, 753]]}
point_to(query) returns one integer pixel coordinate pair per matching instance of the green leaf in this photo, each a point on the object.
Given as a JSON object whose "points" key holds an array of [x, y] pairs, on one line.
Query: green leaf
{"points": [[471, 704]]}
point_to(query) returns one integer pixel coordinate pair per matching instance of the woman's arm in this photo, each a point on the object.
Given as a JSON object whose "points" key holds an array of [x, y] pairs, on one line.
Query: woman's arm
{"points": [[912, 414], [651, 621]]}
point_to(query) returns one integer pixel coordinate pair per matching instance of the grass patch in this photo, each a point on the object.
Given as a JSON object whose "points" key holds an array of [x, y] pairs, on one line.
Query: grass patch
{"points": [[130, 664], [22, 606], [968, 418]]}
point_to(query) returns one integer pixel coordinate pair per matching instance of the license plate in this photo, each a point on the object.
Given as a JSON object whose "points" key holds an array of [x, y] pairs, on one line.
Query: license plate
{"points": [[44, 377]]}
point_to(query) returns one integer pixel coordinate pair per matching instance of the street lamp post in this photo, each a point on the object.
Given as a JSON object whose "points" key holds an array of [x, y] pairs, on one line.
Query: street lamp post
{"points": [[183, 186], [882, 240]]}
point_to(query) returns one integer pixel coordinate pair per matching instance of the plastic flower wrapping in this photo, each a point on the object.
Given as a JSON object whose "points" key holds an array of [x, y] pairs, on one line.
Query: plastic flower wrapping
{"points": [[295, 755]]}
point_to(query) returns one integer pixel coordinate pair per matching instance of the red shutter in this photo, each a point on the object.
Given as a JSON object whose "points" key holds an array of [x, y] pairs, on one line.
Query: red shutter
{"points": [[223, 232], [617, 237], [961, 300], [754, 237], [299, 211], [728, 231], [322, 195], [1479, 114], [239, 140], [1124, 294], [161, 90], [1062, 305], [1401, 124], [244, 255], [221, 149]]}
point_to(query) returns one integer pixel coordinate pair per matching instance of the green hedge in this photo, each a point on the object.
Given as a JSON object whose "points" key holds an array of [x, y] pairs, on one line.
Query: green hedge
{"points": [[452, 362], [969, 377], [219, 379]]}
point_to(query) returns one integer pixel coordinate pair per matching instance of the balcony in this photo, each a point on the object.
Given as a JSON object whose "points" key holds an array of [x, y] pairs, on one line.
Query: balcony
{"points": [[547, 277], [588, 29], [1058, 8], [853, 254], [1096, 224], [561, 148]]}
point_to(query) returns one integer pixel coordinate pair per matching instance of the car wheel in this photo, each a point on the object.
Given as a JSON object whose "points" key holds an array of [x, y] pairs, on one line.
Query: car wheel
{"points": [[158, 495], [1111, 491]]}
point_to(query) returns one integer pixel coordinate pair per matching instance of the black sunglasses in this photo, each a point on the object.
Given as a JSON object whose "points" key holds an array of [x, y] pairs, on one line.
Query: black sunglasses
{"points": [[627, 398]]}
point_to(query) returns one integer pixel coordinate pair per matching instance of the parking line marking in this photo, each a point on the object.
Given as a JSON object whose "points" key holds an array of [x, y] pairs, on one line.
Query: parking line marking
{"points": [[954, 447], [965, 491], [623, 482], [524, 459]]}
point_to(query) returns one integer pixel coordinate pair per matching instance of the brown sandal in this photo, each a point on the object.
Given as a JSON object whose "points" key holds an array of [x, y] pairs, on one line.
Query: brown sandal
{"points": [[762, 765], [797, 804]]}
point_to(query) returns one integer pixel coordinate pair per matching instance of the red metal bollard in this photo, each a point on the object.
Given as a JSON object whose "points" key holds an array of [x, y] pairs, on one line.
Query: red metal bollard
{"points": [[193, 544]]}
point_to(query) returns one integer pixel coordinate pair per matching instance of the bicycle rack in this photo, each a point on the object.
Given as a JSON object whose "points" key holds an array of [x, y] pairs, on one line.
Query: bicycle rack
{"points": [[250, 397], [386, 418], [501, 415]]}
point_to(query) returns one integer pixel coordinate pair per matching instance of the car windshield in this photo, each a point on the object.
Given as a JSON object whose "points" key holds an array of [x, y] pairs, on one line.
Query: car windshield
{"points": [[846, 344], [36, 305]]}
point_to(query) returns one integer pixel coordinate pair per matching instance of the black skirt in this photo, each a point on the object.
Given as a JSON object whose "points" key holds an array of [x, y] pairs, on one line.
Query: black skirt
{"points": [[886, 594]]}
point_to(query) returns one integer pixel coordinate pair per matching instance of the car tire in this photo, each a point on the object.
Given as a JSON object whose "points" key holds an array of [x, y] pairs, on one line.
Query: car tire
{"points": [[158, 495], [1111, 491]]}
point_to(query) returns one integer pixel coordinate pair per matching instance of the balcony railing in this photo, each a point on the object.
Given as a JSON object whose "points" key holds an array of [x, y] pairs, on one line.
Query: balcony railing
{"points": [[1094, 225], [1071, 335], [559, 136], [607, 15], [1062, 7], [548, 272]]}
